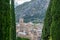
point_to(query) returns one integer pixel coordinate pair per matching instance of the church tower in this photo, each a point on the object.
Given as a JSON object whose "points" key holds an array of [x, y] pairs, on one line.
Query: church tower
{"points": [[21, 22]]}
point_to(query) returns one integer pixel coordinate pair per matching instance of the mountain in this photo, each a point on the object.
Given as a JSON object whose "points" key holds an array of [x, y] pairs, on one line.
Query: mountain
{"points": [[32, 11]]}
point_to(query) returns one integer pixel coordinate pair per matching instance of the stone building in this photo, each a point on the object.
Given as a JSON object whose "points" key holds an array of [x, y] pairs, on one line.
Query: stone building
{"points": [[29, 30]]}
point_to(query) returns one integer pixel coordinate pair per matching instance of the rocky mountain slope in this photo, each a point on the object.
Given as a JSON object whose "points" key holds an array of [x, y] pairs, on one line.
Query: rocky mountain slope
{"points": [[32, 11]]}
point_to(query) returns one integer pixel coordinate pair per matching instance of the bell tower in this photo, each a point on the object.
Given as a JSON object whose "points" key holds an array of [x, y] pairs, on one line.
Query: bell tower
{"points": [[21, 22]]}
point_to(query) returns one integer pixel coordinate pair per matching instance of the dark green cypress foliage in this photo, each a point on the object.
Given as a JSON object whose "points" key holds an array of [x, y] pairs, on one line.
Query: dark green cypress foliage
{"points": [[47, 23], [54, 23], [13, 20], [7, 21], [55, 26]]}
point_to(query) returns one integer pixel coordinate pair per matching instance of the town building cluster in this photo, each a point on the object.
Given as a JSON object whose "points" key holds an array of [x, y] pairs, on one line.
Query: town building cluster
{"points": [[29, 30]]}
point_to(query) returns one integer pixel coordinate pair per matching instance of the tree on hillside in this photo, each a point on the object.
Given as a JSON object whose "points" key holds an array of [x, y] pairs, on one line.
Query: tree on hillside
{"points": [[7, 20]]}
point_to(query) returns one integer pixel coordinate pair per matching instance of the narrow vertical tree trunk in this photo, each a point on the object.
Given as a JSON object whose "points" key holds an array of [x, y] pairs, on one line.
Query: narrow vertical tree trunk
{"points": [[7, 20]]}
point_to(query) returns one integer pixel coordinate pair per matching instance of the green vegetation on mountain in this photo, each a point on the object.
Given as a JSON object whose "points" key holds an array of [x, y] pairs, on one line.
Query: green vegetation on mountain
{"points": [[7, 20]]}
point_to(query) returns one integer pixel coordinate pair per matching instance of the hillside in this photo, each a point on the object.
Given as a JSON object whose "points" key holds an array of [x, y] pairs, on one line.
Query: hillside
{"points": [[31, 11]]}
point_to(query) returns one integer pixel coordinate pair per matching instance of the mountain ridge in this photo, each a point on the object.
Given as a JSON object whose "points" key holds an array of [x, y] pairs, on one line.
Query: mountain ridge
{"points": [[30, 11]]}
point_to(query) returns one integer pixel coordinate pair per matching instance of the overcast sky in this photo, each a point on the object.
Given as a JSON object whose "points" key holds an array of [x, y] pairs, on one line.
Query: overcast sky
{"points": [[19, 2]]}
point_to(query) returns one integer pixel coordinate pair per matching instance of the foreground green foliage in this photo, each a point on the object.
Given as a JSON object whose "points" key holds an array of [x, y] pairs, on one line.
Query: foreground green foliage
{"points": [[47, 24], [7, 20], [51, 27], [18, 38], [55, 26]]}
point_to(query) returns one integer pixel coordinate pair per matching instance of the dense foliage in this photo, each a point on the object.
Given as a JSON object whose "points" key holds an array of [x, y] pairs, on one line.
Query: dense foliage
{"points": [[55, 26], [7, 20], [47, 24], [51, 27]]}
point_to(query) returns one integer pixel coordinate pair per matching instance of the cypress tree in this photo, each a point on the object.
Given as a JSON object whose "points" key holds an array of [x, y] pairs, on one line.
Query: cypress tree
{"points": [[55, 26], [7, 20], [47, 23], [13, 20]]}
